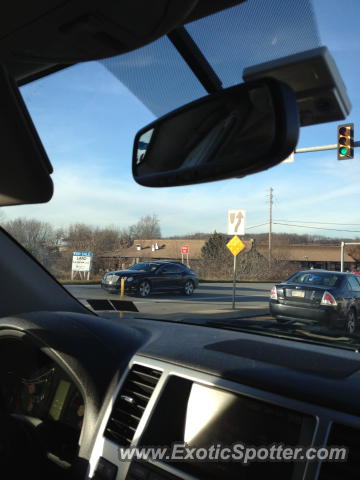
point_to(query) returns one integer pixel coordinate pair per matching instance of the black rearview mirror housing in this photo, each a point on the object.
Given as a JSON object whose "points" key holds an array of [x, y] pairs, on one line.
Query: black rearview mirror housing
{"points": [[235, 132]]}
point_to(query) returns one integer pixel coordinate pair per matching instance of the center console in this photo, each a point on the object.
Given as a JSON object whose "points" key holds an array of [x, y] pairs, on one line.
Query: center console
{"points": [[180, 411]]}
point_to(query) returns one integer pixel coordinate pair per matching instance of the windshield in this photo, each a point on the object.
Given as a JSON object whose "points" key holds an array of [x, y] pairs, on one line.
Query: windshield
{"points": [[298, 216]]}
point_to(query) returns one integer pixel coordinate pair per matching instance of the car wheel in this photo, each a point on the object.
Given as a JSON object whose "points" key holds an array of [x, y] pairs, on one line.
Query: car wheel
{"points": [[350, 322], [188, 288], [144, 288]]}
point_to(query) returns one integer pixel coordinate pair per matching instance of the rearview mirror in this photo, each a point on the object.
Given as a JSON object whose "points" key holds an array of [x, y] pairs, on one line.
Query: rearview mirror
{"points": [[232, 133]]}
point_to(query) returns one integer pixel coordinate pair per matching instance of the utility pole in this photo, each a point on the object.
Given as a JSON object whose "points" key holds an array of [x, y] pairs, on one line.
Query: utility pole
{"points": [[271, 201], [342, 251]]}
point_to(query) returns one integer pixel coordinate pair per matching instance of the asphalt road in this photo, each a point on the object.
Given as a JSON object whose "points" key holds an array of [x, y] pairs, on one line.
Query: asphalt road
{"points": [[211, 301]]}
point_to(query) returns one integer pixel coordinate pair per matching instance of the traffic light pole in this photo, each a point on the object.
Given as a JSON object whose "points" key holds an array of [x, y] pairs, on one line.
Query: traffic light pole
{"points": [[320, 148]]}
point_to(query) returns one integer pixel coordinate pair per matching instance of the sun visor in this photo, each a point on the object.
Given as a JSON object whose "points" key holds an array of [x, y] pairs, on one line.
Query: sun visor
{"points": [[25, 167]]}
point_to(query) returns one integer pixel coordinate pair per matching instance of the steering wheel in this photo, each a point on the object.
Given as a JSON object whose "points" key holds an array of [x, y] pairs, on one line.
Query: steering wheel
{"points": [[22, 451]]}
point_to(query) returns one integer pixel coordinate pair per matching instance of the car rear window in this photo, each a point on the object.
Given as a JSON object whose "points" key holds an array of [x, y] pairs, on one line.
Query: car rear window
{"points": [[316, 278]]}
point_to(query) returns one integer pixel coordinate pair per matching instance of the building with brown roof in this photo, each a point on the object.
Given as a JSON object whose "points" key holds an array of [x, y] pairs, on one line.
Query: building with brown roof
{"points": [[157, 249], [305, 256], [311, 255]]}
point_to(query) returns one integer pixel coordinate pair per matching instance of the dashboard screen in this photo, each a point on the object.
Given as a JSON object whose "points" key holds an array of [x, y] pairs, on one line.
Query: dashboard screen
{"points": [[60, 396], [227, 417], [202, 416], [217, 417]]}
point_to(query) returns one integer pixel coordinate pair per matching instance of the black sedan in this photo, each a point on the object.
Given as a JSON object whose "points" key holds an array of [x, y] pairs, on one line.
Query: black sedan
{"points": [[155, 276], [331, 299]]}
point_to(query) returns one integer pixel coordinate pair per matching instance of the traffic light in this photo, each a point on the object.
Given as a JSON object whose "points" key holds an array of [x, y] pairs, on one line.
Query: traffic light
{"points": [[346, 141]]}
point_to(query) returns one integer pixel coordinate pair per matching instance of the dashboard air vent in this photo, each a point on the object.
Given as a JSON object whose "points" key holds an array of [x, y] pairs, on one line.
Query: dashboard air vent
{"points": [[343, 436], [130, 404]]}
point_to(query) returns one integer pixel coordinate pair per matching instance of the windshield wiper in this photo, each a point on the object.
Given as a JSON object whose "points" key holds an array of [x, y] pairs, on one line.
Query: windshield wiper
{"points": [[291, 331]]}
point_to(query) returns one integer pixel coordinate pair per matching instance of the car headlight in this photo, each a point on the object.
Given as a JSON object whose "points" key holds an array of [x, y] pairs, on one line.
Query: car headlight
{"points": [[130, 279]]}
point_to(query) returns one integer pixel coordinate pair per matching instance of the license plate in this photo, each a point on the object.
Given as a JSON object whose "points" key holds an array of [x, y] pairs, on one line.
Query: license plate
{"points": [[298, 293]]}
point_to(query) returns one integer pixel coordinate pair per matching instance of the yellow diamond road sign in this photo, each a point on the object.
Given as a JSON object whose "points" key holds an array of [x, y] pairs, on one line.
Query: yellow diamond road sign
{"points": [[235, 245]]}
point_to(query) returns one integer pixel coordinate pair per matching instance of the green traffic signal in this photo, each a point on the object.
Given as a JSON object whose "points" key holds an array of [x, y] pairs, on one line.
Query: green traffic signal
{"points": [[345, 141], [343, 151]]}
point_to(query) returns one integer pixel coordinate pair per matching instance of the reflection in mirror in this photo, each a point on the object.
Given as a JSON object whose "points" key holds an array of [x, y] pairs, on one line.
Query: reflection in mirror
{"points": [[142, 146], [221, 135]]}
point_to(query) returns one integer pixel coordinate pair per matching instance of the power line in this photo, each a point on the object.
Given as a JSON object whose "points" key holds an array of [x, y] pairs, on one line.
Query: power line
{"points": [[323, 223], [317, 228], [260, 225]]}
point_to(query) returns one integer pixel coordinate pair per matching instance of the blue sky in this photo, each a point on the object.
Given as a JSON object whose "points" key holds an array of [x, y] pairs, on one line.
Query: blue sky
{"points": [[87, 120]]}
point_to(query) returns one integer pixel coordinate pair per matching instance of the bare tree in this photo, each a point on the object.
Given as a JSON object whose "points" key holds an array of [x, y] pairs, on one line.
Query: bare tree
{"points": [[191, 236], [125, 238], [217, 262], [147, 228], [354, 252], [37, 237], [82, 237], [85, 237]]}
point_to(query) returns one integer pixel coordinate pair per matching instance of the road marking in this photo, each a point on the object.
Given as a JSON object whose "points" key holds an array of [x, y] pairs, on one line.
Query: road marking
{"points": [[223, 299], [236, 311]]}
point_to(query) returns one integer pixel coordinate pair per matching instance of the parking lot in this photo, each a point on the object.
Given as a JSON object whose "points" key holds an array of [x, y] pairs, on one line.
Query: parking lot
{"points": [[210, 301]]}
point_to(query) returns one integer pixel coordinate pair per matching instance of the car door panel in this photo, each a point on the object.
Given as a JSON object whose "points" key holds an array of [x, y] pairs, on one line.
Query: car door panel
{"points": [[169, 277], [354, 285]]}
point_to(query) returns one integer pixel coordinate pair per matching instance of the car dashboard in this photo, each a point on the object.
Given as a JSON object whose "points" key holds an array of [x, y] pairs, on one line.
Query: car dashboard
{"points": [[119, 383]]}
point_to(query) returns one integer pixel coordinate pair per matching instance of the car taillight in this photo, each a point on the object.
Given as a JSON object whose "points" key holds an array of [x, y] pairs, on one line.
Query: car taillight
{"points": [[273, 294], [328, 299]]}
